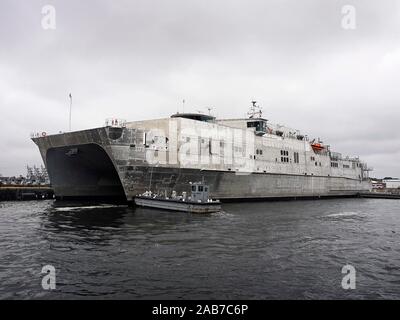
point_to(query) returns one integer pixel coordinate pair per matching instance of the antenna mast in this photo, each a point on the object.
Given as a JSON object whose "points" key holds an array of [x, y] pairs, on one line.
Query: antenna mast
{"points": [[70, 111], [255, 111]]}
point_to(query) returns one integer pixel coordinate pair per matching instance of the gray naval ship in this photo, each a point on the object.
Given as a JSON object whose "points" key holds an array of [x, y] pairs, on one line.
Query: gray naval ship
{"points": [[240, 159]]}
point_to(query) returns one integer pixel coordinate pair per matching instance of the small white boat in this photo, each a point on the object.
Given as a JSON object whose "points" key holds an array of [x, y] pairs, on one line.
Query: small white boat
{"points": [[198, 202]]}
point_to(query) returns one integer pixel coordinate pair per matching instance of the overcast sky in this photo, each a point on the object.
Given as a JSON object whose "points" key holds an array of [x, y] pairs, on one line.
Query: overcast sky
{"points": [[138, 59]]}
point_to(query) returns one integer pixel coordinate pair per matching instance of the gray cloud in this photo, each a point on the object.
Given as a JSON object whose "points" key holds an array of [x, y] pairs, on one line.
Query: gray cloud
{"points": [[139, 59]]}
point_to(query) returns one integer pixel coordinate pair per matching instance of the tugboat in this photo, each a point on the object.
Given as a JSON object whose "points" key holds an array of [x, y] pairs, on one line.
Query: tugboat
{"points": [[197, 202]]}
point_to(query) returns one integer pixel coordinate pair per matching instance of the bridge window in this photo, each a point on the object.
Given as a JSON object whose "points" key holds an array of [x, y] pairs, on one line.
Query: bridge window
{"points": [[285, 156], [285, 159]]}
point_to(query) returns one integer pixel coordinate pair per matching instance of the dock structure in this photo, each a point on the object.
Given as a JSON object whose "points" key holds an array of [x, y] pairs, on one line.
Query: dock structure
{"points": [[25, 192], [380, 195]]}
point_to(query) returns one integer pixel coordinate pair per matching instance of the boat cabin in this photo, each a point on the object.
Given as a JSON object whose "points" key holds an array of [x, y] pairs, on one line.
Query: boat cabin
{"points": [[199, 192]]}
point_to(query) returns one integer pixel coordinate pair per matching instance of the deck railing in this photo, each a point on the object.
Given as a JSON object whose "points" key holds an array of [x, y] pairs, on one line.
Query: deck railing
{"points": [[115, 123]]}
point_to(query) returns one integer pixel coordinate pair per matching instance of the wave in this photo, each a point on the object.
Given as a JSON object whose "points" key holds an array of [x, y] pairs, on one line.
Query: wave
{"points": [[102, 206], [345, 214]]}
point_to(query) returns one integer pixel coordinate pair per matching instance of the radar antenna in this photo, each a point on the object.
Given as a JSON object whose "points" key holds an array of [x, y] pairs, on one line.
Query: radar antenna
{"points": [[255, 110]]}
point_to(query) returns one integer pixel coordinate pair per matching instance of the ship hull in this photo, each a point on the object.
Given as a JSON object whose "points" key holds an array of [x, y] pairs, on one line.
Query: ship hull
{"points": [[230, 186], [87, 174], [91, 174]]}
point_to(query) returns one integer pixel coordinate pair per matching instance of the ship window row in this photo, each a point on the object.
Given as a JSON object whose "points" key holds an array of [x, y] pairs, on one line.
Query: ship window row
{"points": [[284, 153], [160, 139], [296, 157], [334, 165], [285, 159], [312, 158], [259, 151]]}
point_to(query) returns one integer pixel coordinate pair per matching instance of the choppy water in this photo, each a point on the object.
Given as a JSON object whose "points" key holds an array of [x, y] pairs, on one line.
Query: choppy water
{"points": [[270, 250]]}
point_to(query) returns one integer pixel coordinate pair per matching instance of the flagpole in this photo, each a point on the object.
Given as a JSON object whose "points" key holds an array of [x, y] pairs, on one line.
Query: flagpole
{"points": [[70, 110]]}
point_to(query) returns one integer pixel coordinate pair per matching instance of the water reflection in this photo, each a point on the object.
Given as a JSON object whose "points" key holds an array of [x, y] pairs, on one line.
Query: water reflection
{"points": [[87, 216], [90, 219]]}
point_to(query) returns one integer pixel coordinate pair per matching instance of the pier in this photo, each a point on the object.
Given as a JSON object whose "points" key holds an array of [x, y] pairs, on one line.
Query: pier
{"points": [[25, 192], [380, 195]]}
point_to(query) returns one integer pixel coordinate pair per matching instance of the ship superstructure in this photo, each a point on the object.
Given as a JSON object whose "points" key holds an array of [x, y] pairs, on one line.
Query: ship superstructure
{"points": [[246, 158]]}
